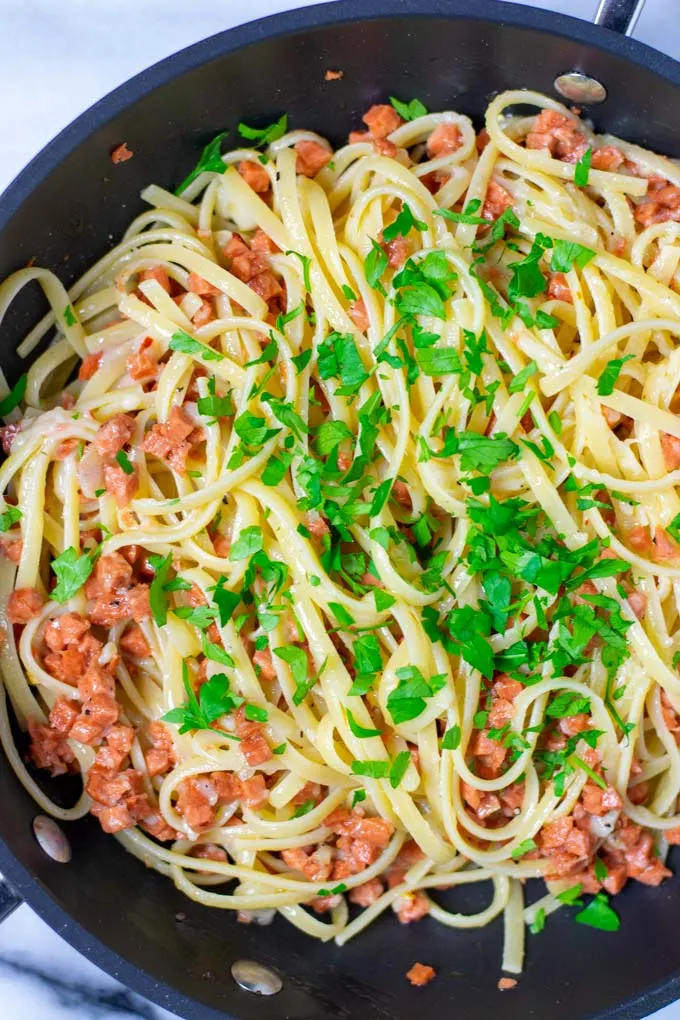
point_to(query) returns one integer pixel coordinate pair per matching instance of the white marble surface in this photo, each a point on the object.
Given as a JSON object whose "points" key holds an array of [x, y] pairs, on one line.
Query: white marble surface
{"points": [[56, 58]]}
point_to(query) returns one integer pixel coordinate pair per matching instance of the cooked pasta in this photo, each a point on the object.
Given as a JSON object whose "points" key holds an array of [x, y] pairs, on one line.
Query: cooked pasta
{"points": [[341, 523]]}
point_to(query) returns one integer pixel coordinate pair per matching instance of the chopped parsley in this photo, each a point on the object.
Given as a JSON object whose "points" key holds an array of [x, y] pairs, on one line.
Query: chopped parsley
{"points": [[210, 160], [72, 572], [215, 699], [409, 111], [263, 136]]}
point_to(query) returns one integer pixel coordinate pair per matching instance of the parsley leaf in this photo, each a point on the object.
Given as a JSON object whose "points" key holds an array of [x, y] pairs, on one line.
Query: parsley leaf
{"points": [[263, 136], [567, 254], [451, 739], [181, 341], [124, 462], [598, 914], [582, 168], [409, 111], [525, 847], [157, 595], [404, 224], [10, 516], [468, 215], [358, 730], [375, 264], [610, 375], [436, 361], [13, 398], [210, 160], [372, 769], [215, 699], [250, 540], [519, 381], [330, 434], [72, 572], [398, 769]]}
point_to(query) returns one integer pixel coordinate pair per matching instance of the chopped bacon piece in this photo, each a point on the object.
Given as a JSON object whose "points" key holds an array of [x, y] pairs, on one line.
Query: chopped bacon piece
{"points": [[643, 865], [558, 133], [114, 435], [143, 364], [420, 974], [253, 746], [65, 449], [664, 547], [311, 157], [197, 798], [209, 852], [161, 756], [570, 725], [317, 867], [66, 666], [173, 440], [110, 573], [263, 660], [49, 748], [444, 140], [197, 285], [659, 206], [121, 153], [381, 120], [134, 643], [120, 484], [558, 288], [411, 906], [482, 140], [266, 285], [108, 787], [607, 158], [640, 540], [221, 545], [254, 792], [357, 137], [506, 983], [384, 147], [374, 830], [255, 176], [65, 630], [367, 893], [673, 836], [333, 75], [496, 201], [204, 315], [89, 366], [401, 494], [11, 547], [112, 819], [396, 251], [98, 714], [63, 714], [262, 243], [358, 314], [159, 274], [114, 751], [616, 876], [670, 448], [597, 801], [8, 434], [317, 525], [23, 604], [115, 595]]}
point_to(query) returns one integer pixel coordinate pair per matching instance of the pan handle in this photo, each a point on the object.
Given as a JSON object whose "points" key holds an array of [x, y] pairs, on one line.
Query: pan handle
{"points": [[9, 901], [619, 15]]}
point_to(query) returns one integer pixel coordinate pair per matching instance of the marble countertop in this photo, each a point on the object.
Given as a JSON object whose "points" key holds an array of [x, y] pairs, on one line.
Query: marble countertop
{"points": [[55, 60]]}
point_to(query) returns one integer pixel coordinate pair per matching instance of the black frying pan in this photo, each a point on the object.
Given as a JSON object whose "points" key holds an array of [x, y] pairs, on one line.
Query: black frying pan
{"points": [[63, 210]]}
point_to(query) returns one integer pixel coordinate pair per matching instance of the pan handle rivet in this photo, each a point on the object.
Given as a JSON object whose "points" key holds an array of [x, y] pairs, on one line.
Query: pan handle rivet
{"points": [[51, 839], [254, 977], [580, 88]]}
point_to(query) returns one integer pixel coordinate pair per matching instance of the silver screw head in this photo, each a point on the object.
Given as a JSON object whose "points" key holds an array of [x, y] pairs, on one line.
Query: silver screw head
{"points": [[255, 977], [580, 88], [52, 839]]}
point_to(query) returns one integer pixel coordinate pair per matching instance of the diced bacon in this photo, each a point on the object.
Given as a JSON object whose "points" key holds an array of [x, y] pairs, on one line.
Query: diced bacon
{"points": [[324, 904], [63, 714], [65, 449], [134, 643], [89, 366], [558, 288], [496, 201], [95, 681], [579, 843], [664, 547], [358, 314], [121, 153], [67, 401], [221, 544], [65, 630], [204, 315], [556, 132], [159, 274], [420, 974], [143, 364], [253, 746], [553, 835], [616, 876], [374, 830], [114, 435], [197, 285], [615, 418], [317, 867], [116, 748], [570, 725], [367, 893], [121, 485], [23, 604], [491, 753], [673, 836], [401, 494], [482, 140], [209, 852], [608, 157], [49, 749], [254, 792], [640, 540], [384, 147], [266, 285], [381, 120], [396, 251], [371, 581], [11, 547], [489, 805], [255, 176], [113, 819], [353, 856], [98, 714], [248, 264], [66, 666], [505, 984], [150, 818], [501, 712], [262, 659], [642, 865], [161, 756], [111, 573], [660, 206], [637, 600], [118, 602], [262, 243], [196, 802], [311, 157], [168, 439], [228, 786], [310, 791], [512, 798], [357, 137], [317, 525], [444, 140], [108, 787], [333, 75], [8, 434], [670, 448], [411, 906], [638, 793]]}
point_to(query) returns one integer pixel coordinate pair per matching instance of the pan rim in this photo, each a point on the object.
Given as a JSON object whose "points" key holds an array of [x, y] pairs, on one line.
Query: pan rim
{"points": [[321, 15]]}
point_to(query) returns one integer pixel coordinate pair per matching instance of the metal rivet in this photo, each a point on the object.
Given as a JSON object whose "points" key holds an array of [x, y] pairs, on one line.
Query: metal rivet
{"points": [[254, 977], [579, 88], [51, 839]]}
